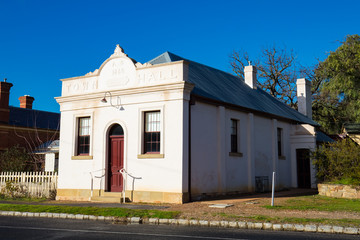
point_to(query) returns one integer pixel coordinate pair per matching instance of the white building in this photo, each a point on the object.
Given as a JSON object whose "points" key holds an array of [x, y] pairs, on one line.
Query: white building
{"points": [[186, 129]]}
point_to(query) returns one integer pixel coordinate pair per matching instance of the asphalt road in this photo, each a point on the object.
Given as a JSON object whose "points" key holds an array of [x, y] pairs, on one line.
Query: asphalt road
{"points": [[47, 228]]}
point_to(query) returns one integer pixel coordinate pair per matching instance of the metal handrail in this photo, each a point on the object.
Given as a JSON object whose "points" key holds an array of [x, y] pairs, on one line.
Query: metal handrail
{"points": [[92, 180], [124, 173]]}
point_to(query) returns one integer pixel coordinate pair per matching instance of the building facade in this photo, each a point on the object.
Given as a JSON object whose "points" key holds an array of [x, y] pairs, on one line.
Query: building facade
{"points": [[352, 130], [173, 130], [24, 126]]}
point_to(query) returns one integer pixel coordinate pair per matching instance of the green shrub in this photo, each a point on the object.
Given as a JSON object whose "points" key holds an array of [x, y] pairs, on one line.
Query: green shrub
{"points": [[12, 190], [15, 159], [338, 162]]}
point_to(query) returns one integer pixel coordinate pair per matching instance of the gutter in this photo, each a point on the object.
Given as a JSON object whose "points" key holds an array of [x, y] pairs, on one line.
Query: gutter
{"points": [[191, 102]]}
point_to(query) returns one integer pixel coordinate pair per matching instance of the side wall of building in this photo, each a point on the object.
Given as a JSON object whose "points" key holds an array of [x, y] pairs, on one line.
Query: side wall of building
{"points": [[215, 170]]}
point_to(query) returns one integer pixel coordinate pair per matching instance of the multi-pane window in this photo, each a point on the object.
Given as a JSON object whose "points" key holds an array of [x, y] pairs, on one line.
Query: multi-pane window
{"points": [[234, 136], [279, 141], [152, 132], [83, 144]]}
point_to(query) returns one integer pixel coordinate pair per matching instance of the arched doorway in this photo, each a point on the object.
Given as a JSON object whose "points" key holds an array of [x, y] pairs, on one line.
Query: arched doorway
{"points": [[115, 158]]}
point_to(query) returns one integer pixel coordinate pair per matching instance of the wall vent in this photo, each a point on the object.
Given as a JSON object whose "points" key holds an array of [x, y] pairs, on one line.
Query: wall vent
{"points": [[262, 184]]}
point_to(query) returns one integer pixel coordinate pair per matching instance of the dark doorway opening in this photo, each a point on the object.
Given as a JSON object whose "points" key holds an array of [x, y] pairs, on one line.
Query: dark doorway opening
{"points": [[303, 168]]}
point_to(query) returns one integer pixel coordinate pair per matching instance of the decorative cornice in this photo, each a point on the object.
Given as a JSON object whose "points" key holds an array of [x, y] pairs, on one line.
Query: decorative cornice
{"points": [[139, 65], [142, 66], [118, 52], [96, 72], [186, 86]]}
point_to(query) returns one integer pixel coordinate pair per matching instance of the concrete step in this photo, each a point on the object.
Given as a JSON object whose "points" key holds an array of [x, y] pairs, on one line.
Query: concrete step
{"points": [[111, 194], [108, 199]]}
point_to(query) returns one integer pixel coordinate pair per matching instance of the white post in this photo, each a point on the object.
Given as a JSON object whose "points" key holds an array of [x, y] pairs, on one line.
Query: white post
{"points": [[123, 173], [273, 189], [123, 190]]}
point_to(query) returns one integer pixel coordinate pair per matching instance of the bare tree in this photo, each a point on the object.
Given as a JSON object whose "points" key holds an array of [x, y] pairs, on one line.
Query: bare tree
{"points": [[277, 72], [35, 141], [239, 59]]}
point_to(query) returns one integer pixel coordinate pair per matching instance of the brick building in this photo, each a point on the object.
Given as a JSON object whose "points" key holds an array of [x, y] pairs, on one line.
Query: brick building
{"points": [[24, 126]]}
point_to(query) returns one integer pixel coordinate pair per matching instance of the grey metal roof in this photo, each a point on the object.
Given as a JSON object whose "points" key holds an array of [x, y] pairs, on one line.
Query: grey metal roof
{"points": [[24, 117], [48, 147], [224, 87], [323, 138], [352, 128]]}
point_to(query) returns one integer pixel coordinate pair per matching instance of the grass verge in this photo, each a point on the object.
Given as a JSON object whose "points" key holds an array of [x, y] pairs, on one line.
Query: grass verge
{"points": [[115, 212], [320, 203], [23, 199]]}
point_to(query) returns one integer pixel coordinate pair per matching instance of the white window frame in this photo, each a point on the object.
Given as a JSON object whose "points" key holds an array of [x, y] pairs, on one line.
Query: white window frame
{"points": [[141, 136], [75, 135], [238, 138]]}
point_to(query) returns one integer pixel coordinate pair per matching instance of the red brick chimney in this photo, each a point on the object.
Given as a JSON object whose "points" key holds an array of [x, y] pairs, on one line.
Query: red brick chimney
{"points": [[26, 101], [4, 101]]}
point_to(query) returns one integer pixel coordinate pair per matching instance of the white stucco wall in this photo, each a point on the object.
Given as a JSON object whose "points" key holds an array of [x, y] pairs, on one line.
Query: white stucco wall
{"points": [[283, 170], [214, 171], [204, 140], [263, 146], [236, 166]]}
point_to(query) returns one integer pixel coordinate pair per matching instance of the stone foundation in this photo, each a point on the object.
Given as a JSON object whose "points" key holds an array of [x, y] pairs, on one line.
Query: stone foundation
{"points": [[339, 191], [133, 196]]}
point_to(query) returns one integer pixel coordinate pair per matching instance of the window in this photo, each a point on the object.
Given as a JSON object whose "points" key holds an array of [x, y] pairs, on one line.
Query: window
{"points": [[152, 132], [83, 144], [234, 136], [279, 141]]}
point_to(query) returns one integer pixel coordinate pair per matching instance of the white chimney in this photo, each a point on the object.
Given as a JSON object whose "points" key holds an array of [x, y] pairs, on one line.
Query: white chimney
{"points": [[250, 76], [304, 97]]}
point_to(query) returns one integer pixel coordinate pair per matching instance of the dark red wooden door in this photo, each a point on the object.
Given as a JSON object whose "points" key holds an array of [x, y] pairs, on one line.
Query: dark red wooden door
{"points": [[303, 168], [116, 162]]}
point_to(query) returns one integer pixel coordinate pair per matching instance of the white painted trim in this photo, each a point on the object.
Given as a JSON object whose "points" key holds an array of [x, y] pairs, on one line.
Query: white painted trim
{"points": [[251, 152]]}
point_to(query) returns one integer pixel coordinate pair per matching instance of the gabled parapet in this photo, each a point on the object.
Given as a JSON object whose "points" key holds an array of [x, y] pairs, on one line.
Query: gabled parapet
{"points": [[122, 72]]}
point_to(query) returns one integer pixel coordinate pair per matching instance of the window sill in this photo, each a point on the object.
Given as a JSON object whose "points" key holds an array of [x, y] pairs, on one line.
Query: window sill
{"points": [[88, 157], [235, 154], [282, 157], [150, 155]]}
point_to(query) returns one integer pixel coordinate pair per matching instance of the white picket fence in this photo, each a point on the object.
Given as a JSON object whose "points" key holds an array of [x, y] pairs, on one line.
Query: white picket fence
{"points": [[33, 184]]}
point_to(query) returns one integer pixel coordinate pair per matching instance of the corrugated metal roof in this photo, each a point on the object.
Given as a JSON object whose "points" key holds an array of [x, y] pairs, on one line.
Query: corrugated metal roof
{"points": [[352, 128], [24, 117], [48, 147], [224, 87], [324, 138]]}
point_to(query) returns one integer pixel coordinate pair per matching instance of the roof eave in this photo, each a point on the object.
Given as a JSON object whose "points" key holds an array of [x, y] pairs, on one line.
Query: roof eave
{"points": [[245, 109]]}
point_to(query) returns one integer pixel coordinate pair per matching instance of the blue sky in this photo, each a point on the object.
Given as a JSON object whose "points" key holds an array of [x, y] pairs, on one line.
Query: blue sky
{"points": [[42, 42]]}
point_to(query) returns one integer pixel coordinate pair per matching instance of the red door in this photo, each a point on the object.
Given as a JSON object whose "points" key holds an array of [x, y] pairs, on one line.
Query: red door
{"points": [[116, 162]]}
